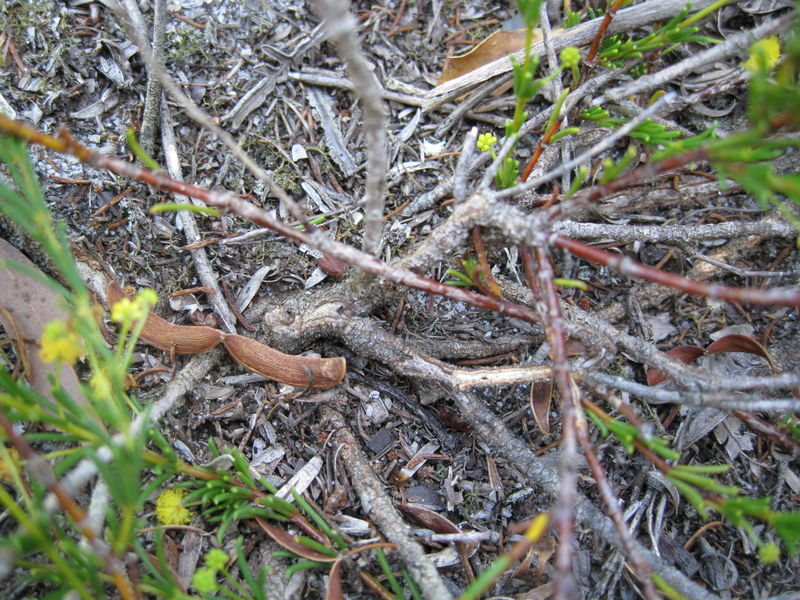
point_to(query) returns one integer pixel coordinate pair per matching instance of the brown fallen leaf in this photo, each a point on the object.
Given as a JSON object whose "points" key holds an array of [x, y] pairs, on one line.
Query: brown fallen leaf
{"points": [[736, 342], [685, 354], [500, 43], [540, 396], [733, 342], [26, 305], [158, 332], [333, 589], [299, 371]]}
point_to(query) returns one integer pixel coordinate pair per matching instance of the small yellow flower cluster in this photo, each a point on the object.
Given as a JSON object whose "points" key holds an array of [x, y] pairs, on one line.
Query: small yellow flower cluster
{"points": [[216, 559], [486, 141], [169, 509], [59, 343], [764, 54], [128, 311], [204, 579], [570, 57]]}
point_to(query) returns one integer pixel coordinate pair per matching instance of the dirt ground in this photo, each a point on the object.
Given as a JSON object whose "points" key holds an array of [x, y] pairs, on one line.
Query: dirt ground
{"points": [[263, 71]]}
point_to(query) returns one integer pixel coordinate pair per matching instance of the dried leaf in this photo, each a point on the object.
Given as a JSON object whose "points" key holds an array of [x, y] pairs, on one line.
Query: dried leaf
{"points": [[299, 371], [26, 305], [333, 590], [439, 524], [736, 439], [428, 518], [332, 265], [741, 343], [500, 43], [541, 396], [286, 539], [158, 332], [685, 354]]}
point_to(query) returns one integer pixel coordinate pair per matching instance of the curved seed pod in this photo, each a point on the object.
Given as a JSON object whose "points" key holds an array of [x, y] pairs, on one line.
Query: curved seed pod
{"points": [[300, 371], [183, 339]]}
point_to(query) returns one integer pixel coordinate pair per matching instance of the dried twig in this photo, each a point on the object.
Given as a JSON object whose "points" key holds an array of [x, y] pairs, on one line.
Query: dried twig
{"points": [[380, 508], [341, 27]]}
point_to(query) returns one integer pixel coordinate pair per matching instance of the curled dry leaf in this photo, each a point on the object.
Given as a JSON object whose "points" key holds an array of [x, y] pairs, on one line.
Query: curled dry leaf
{"points": [[333, 266], [685, 354], [541, 395], [733, 342], [300, 371], [333, 591]]}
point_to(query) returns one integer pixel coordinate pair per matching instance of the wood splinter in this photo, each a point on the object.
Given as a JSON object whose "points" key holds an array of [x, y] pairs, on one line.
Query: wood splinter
{"points": [[299, 371]]}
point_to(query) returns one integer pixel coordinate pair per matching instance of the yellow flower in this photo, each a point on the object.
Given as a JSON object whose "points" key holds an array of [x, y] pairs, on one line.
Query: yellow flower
{"points": [[204, 581], [764, 54], [128, 311], [216, 559], [59, 343], [570, 57], [169, 509], [101, 385], [486, 141]]}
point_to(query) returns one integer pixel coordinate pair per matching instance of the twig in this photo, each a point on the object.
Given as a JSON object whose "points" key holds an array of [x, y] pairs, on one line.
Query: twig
{"points": [[539, 274], [462, 166], [768, 227], [724, 401], [625, 20], [605, 144], [467, 378], [188, 224], [627, 266], [152, 101], [614, 511], [341, 27], [601, 32], [379, 507]]}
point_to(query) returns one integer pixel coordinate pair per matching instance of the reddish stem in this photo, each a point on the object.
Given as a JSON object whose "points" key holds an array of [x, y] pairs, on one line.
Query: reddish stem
{"points": [[598, 37], [627, 266], [541, 272], [540, 148]]}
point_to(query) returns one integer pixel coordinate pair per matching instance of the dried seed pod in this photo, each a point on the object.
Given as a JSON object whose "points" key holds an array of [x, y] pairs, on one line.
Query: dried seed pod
{"points": [[300, 371], [158, 332], [333, 266]]}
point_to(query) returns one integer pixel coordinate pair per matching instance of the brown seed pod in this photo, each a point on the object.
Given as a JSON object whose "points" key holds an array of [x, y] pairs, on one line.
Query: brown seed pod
{"points": [[333, 266], [300, 371], [182, 339]]}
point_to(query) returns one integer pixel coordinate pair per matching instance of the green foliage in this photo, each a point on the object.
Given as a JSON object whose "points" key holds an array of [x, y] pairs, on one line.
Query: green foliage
{"points": [[616, 49], [466, 278], [697, 484]]}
